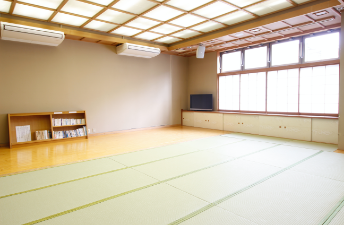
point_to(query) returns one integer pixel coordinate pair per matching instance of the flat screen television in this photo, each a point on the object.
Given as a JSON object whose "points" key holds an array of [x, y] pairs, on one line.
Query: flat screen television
{"points": [[201, 102]]}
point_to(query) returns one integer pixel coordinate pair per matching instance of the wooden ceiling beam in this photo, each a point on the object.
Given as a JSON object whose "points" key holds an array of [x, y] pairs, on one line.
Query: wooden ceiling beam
{"points": [[58, 10], [14, 2]]}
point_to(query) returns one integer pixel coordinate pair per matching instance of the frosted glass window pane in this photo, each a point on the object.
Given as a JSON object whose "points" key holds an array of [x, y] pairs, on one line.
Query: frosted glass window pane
{"points": [[208, 26], [5, 6], [186, 34], [285, 53], [46, 3], [282, 91], [33, 12], [69, 19], [235, 17], [134, 6], [319, 89], [322, 47], [187, 20], [81, 8], [114, 16], [187, 5], [229, 92], [231, 61], [252, 91], [163, 13], [256, 57]]}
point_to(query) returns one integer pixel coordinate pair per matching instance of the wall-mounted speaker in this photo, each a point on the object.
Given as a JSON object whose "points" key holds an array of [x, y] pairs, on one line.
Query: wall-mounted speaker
{"points": [[200, 51]]}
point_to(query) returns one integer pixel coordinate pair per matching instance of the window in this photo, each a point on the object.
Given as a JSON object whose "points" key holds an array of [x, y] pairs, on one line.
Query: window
{"points": [[285, 53], [229, 92], [231, 61], [256, 57], [322, 47], [252, 92]]}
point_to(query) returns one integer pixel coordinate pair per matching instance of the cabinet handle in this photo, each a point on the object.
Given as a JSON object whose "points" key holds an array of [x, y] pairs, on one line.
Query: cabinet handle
{"points": [[242, 123], [183, 118], [208, 120], [285, 127], [238, 123], [280, 126]]}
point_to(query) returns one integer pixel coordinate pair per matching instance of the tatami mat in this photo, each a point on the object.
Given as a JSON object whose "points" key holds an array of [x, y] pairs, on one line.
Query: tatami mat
{"points": [[41, 178], [327, 164], [217, 182], [173, 167], [149, 155], [241, 148], [156, 205], [255, 137], [338, 219], [38, 204], [313, 145], [289, 198], [281, 156], [217, 216]]}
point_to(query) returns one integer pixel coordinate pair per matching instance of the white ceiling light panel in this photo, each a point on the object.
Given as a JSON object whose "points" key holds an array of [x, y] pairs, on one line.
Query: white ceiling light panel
{"points": [[301, 1], [69, 19], [268, 7], [215, 9], [46, 3], [166, 29], [148, 35], [115, 16], [208, 26], [235, 17], [168, 40], [5, 6], [34, 12], [142, 23], [187, 20], [187, 5], [81, 8], [126, 31], [97, 25], [134, 6], [102, 2], [163, 13], [186, 34], [242, 3]]}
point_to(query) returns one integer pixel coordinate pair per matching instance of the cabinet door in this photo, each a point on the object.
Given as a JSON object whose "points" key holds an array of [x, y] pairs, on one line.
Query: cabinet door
{"points": [[215, 121], [297, 128], [200, 120], [188, 119], [269, 126], [232, 122], [325, 130], [250, 124]]}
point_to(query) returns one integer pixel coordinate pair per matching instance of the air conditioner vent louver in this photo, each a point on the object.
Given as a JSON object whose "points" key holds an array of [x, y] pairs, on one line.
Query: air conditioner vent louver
{"points": [[137, 50]]}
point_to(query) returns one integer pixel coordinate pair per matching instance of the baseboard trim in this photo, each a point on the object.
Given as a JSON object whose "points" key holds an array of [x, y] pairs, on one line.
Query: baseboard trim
{"points": [[4, 145], [131, 130]]}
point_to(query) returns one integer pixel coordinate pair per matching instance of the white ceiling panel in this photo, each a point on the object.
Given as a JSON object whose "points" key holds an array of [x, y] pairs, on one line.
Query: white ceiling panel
{"points": [[168, 40], [103, 2], [134, 6], [69, 19], [187, 20], [163, 13], [242, 3], [142, 23], [126, 31], [166, 29], [235, 17], [115, 16], [268, 7], [98, 25], [34, 12], [301, 1], [215, 9], [186, 34], [148, 35], [208, 26], [187, 5], [5, 6], [81, 8], [46, 3]]}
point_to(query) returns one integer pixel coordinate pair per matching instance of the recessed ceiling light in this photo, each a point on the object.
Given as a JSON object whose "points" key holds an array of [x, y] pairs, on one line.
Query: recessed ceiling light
{"points": [[321, 13], [254, 30]]}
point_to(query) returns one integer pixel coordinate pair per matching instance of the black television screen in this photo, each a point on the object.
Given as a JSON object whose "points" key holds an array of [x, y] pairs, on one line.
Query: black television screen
{"points": [[201, 102]]}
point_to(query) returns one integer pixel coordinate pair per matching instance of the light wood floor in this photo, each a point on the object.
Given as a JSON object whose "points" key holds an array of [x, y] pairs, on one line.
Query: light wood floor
{"points": [[46, 155]]}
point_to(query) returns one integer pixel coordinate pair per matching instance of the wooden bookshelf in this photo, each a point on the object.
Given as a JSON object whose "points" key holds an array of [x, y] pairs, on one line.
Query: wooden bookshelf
{"points": [[43, 121]]}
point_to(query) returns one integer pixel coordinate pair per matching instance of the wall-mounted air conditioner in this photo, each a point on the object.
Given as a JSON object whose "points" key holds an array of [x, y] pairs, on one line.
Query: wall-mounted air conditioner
{"points": [[137, 50], [33, 35]]}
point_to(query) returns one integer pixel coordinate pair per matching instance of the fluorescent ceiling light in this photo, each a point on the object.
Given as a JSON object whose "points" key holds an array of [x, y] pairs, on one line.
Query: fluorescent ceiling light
{"points": [[187, 20], [5, 6], [97, 25], [166, 29], [268, 7], [142, 23], [134, 6], [168, 40], [69, 19], [208, 26], [187, 4], [186, 34], [81, 8], [34, 12], [148, 35], [301, 1], [126, 31], [242, 3], [215, 9], [115, 16], [46, 3], [102, 2], [235, 17], [163, 13]]}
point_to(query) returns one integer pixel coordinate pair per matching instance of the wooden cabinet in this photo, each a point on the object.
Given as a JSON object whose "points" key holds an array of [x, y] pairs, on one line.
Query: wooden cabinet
{"points": [[204, 120], [325, 130], [241, 123], [188, 119]]}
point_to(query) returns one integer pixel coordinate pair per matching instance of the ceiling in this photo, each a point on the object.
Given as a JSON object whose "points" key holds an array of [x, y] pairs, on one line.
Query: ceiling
{"points": [[170, 22]]}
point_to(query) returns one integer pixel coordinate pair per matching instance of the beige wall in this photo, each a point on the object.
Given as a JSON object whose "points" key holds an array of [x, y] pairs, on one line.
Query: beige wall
{"points": [[117, 92], [203, 77]]}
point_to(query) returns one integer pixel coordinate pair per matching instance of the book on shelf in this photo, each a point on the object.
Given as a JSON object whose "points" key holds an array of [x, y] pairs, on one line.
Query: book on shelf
{"points": [[43, 134], [23, 133], [80, 132], [65, 122]]}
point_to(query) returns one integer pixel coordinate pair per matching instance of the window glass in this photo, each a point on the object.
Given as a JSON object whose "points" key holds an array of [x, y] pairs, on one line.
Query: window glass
{"points": [[319, 89], [285, 53], [229, 92], [283, 90], [231, 61], [252, 91], [322, 47], [256, 57]]}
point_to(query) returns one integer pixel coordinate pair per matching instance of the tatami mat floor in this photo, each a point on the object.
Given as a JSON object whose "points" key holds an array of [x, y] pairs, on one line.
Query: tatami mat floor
{"points": [[226, 179]]}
